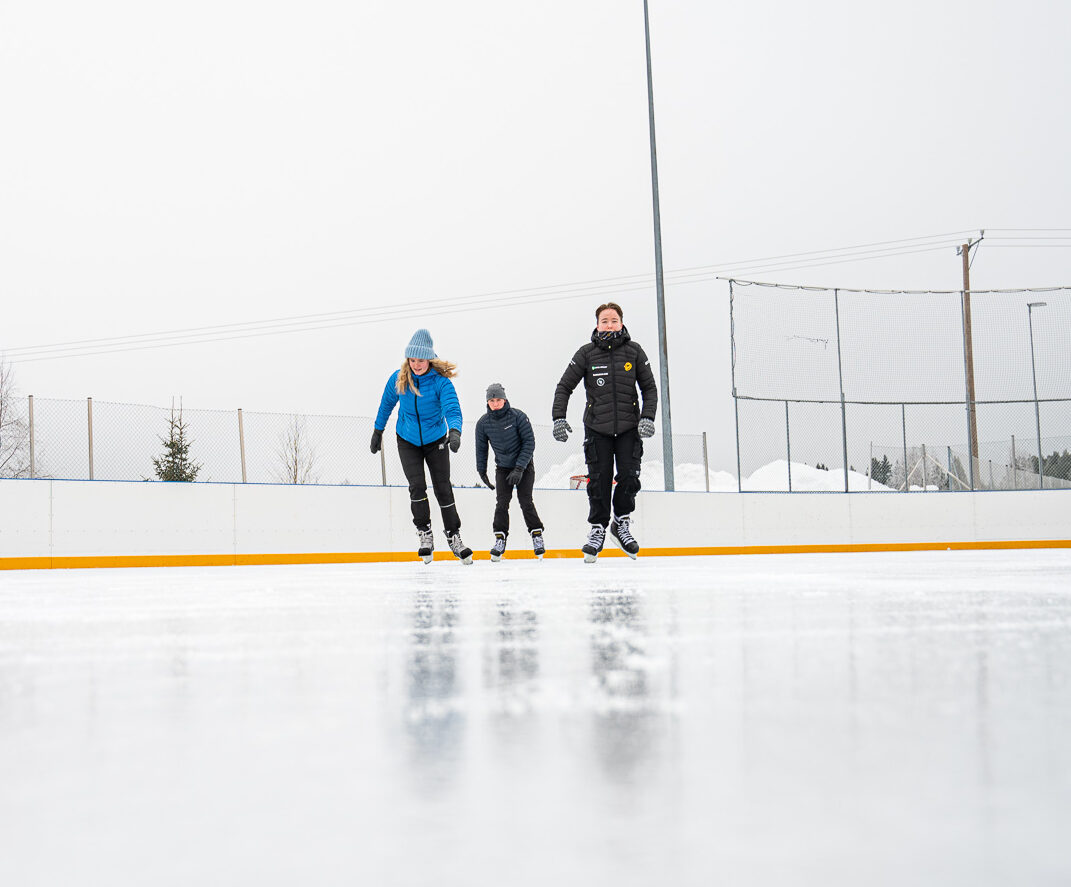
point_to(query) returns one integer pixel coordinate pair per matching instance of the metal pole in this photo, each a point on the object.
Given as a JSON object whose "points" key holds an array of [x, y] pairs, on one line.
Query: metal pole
{"points": [[383, 463], [968, 375], [903, 421], [89, 406], [925, 479], [33, 467], [788, 447], [660, 289], [840, 377], [1033, 371], [992, 486], [736, 401], [706, 462], [870, 469], [241, 441], [1015, 467], [948, 474]]}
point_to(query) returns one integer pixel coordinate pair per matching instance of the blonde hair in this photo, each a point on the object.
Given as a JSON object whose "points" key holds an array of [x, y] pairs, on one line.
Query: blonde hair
{"points": [[405, 374]]}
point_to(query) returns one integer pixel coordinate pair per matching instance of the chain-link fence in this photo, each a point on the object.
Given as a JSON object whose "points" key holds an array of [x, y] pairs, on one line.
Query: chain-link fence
{"points": [[98, 440], [901, 390]]}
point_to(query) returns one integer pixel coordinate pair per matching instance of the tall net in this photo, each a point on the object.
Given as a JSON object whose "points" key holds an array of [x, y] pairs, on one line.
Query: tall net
{"points": [[877, 382]]}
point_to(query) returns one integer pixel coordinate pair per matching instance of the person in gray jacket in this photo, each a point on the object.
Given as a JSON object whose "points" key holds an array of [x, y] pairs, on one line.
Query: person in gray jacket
{"points": [[510, 435]]}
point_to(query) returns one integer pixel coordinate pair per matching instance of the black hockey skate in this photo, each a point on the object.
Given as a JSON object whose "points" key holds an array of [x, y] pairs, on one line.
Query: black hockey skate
{"points": [[426, 545], [499, 548], [460, 550], [537, 544], [622, 536], [596, 540]]}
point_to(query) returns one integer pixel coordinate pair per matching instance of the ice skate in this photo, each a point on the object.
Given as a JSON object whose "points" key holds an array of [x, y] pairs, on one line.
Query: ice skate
{"points": [[622, 537], [537, 544], [426, 544], [461, 552], [596, 540], [499, 548]]}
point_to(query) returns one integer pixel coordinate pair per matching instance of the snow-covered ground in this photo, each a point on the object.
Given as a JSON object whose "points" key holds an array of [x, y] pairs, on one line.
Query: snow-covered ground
{"points": [[772, 477], [871, 719]]}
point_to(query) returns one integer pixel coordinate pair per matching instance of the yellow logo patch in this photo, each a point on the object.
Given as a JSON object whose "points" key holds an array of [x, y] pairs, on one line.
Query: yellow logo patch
{"points": [[628, 366]]}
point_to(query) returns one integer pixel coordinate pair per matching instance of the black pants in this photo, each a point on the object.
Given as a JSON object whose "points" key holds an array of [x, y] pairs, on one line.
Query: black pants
{"points": [[437, 456], [600, 452], [504, 492]]}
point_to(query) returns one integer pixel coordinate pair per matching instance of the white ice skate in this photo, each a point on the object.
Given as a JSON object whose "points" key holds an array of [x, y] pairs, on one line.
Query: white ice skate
{"points": [[537, 544], [461, 552], [622, 536], [426, 544], [499, 548]]}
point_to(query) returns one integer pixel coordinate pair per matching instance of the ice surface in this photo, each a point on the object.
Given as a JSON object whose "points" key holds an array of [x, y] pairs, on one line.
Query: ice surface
{"points": [[821, 719]]}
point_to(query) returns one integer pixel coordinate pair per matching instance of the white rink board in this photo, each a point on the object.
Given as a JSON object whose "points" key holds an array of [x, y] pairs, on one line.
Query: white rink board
{"points": [[85, 519]]}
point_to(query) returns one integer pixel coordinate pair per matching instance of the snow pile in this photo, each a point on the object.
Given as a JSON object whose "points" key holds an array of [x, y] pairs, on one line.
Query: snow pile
{"points": [[688, 476]]}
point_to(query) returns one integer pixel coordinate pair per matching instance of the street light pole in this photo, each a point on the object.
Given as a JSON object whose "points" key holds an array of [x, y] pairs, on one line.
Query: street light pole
{"points": [[660, 289], [1033, 370]]}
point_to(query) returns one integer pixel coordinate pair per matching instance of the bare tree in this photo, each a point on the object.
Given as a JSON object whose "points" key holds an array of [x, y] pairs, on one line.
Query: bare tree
{"points": [[297, 458], [14, 428]]}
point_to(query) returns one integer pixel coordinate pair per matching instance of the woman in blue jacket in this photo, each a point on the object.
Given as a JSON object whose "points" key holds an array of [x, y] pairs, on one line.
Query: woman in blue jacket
{"points": [[429, 421]]}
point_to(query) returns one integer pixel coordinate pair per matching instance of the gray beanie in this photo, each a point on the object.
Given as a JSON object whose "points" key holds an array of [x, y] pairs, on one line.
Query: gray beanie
{"points": [[495, 390]]}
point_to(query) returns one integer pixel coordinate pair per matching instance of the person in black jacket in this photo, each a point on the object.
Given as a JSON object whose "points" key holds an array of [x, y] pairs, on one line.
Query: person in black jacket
{"points": [[511, 437], [612, 367]]}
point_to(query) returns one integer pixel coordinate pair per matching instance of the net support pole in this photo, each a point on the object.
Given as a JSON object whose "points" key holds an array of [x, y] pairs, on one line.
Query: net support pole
{"points": [[903, 426], [706, 462], [788, 447], [33, 466], [241, 442], [383, 464], [736, 401], [89, 410], [840, 380]]}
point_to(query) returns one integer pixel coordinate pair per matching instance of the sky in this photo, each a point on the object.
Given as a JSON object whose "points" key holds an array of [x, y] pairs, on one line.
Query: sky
{"points": [[168, 168]]}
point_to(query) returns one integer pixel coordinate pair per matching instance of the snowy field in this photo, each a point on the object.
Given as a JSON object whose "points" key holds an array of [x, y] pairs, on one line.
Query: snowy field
{"points": [[822, 719]]}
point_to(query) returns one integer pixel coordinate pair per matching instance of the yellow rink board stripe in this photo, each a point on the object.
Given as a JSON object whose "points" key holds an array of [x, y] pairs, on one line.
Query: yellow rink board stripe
{"points": [[370, 557]]}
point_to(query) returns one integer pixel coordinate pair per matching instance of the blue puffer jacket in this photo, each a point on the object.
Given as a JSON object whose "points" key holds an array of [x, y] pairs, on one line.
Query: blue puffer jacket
{"points": [[510, 435], [424, 419]]}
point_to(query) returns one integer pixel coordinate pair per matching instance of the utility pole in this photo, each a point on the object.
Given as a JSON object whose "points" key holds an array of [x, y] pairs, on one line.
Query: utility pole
{"points": [[660, 289], [965, 252]]}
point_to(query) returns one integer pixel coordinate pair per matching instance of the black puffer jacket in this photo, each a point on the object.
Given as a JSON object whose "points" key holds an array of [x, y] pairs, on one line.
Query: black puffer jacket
{"points": [[510, 435], [612, 371]]}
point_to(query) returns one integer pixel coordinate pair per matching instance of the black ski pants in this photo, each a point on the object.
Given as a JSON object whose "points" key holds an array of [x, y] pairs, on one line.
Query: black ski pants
{"points": [[504, 493], [437, 457], [601, 451]]}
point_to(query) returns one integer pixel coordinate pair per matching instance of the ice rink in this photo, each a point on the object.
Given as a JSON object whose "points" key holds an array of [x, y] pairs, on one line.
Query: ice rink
{"points": [[817, 719]]}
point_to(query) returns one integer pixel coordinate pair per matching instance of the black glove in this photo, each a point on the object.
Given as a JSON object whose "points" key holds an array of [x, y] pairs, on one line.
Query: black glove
{"points": [[561, 430], [455, 440], [514, 477], [377, 440], [483, 477]]}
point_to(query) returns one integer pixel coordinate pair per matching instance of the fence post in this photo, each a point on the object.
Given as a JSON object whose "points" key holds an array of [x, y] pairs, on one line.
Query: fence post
{"points": [[991, 485], [948, 474], [870, 469], [383, 463], [241, 441], [903, 422], [33, 472], [706, 462], [925, 479], [1015, 467], [788, 447], [89, 407], [840, 377]]}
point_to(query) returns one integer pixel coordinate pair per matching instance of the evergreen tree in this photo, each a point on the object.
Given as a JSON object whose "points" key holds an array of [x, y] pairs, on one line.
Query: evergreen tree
{"points": [[881, 472], [175, 463]]}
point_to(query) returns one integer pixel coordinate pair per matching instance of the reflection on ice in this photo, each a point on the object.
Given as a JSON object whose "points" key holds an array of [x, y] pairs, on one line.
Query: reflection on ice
{"points": [[856, 719]]}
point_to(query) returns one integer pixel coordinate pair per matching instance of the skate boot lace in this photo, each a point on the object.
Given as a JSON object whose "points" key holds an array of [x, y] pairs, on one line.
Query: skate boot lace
{"points": [[425, 538], [623, 532], [597, 535]]}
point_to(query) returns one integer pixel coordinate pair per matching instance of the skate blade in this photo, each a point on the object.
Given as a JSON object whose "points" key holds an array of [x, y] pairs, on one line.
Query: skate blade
{"points": [[467, 560], [590, 558], [617, 542], [495, 558], [539, 557], [427, 558]]}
